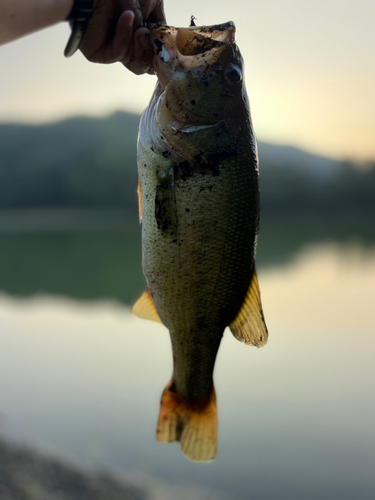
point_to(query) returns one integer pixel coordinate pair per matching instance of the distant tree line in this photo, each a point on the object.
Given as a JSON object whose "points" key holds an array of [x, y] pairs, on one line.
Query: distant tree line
{"points": [[87, 162], [347, 193], [82, 162]]}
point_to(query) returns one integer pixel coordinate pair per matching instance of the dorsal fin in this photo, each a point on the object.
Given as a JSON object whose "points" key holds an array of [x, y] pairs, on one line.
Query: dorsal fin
{"points": [[249, 325], [145, 307]]}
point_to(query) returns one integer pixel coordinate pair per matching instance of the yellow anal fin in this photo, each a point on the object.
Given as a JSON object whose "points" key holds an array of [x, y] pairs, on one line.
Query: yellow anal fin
{"points": [[140, 200], [195, 426], [249, 325], [145, 307]]}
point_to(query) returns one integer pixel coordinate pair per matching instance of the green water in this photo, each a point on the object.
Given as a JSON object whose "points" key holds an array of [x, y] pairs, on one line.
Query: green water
{"points": [[107, 262], [80, 264]]}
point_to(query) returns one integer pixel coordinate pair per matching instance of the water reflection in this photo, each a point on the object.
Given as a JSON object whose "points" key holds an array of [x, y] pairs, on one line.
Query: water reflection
{"points": [[106, 263], [84, 379]]}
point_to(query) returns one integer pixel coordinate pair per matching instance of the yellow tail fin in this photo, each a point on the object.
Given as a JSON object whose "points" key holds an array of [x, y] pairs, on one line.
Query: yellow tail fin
{"points": [[195, 426]]}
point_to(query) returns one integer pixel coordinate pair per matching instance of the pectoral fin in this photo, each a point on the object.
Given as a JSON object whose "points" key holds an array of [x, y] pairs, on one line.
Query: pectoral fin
{"points": [[249, 325], [145, 308]]}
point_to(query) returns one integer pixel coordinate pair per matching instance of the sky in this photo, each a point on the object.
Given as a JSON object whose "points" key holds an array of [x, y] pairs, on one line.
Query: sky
{"points": [[309, 67]]}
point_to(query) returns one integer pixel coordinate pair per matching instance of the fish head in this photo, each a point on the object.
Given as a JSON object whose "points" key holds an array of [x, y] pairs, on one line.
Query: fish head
{"points": [[200, 75]]}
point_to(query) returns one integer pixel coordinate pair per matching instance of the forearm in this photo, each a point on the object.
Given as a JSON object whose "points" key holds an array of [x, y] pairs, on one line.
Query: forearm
{"points": [[21, 17]]}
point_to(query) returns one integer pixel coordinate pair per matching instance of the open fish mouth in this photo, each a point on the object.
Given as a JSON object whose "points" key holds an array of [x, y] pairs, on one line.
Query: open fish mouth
{"points": [[189, 47], [199, 40]]}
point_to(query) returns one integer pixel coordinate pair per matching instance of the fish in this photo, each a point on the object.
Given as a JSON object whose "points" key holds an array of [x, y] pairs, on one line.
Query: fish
{"points": [[199, 208]]}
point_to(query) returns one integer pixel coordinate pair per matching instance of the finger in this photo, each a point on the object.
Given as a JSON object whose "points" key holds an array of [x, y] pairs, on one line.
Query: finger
{"points": [[122, 41], [134, 6], [159, 13], [142, 52], [153, 12], [120, 47]]}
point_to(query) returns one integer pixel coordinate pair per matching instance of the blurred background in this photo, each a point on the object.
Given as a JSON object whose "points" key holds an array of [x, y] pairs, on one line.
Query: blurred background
{"points": [[80, 378]]}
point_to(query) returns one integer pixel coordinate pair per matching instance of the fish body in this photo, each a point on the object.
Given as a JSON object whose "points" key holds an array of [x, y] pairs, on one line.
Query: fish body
{"points": [[199, 203]]}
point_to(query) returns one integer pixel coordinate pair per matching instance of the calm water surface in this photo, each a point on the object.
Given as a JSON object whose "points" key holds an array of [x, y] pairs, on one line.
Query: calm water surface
{"points": [[82, 378]]}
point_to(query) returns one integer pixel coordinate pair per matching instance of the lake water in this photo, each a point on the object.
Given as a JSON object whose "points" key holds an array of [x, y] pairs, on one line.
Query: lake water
{"points": [[82, 378]]}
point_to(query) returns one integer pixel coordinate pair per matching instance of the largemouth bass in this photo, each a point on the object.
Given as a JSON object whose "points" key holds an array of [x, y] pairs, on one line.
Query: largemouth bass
{"points": [[199, 207]]}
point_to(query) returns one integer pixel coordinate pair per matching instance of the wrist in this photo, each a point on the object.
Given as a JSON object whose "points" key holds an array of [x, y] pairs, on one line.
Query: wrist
{"points": [[49, 12], [19, 17]]}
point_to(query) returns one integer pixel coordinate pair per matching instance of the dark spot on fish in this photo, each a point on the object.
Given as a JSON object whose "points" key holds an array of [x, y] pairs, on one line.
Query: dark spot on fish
{"points": [[204, 79], [219, 27], [211, 161], [165, 203], [206, 187], [187, 209], [222, 124], [193, 101], [152, 149], [166, 154], [158, 45], [198, 45], [183, 171]]}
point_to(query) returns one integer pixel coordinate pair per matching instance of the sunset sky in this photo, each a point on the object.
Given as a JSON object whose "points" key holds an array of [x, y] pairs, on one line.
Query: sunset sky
{"points": [[310, 73]]}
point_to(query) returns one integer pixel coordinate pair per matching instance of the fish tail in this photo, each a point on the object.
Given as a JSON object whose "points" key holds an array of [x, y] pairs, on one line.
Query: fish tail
{"points": [[194, 425]]}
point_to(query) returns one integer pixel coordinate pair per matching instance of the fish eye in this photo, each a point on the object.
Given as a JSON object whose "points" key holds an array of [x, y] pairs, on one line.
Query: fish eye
{"points": [[233, 74]]}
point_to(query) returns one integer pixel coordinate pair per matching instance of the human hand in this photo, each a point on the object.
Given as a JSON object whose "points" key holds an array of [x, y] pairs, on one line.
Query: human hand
{"points": [[116, 32]]}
